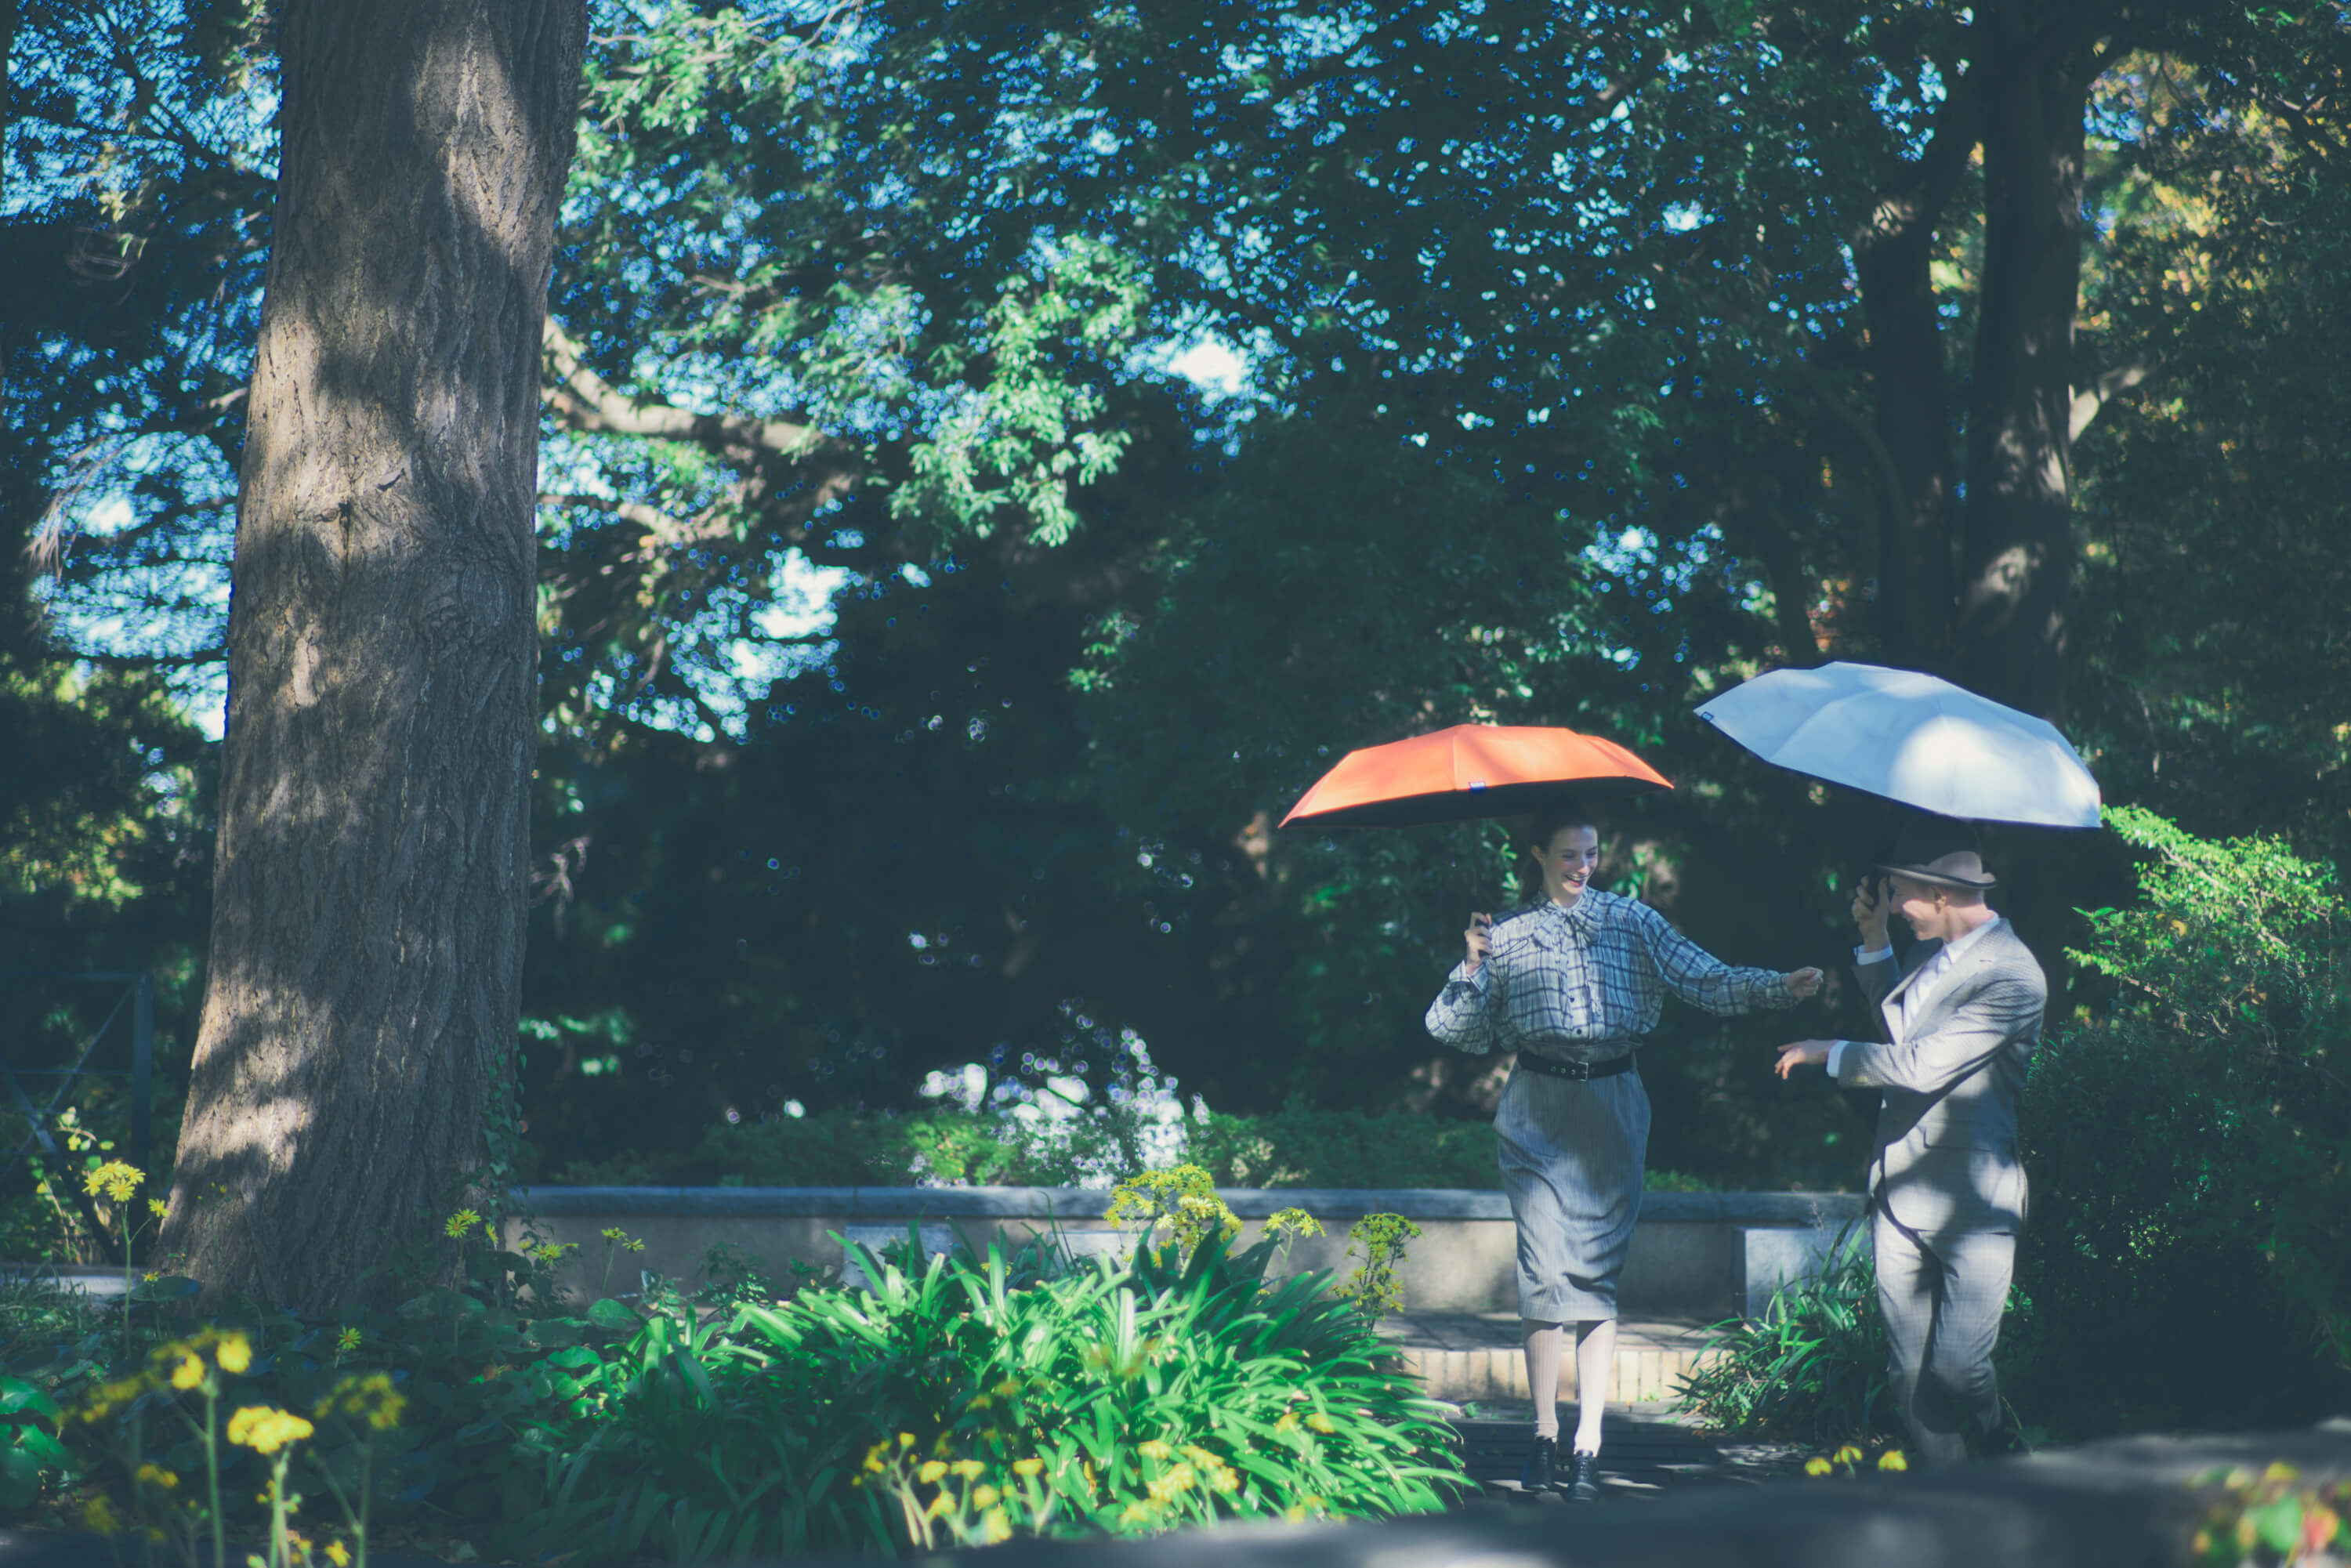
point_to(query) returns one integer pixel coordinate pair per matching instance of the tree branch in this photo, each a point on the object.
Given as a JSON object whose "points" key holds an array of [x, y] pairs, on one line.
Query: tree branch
{"points": [[585, 401], [2090, 400]]}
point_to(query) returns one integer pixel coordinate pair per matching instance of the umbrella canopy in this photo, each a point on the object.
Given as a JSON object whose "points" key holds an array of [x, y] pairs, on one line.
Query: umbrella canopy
{"points": [[1912, 738], [1468, 772]]}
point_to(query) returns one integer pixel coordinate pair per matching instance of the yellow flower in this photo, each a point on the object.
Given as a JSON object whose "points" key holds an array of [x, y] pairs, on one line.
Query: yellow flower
{"points": [[1136, 1513], [1293, 1223], [349, 1338], [1155, 1449], [188, 1374], [97, 1514], [150, 1276], [1892, 1460], [905, 1440], [2279, 1470], [235, 1352], [1005, 1389], [369, 1395], [1289, 1422], [265, 1431], [339, 1554], [939, 1505], [873, 1455], [993, 1526], [1848, 1455], [158, 1207], [1027, 1466], [984, 1496], [1817, 1466], [457, 1224], [930, 1471], [1321, 1423], [116, 1179], [155, 1475]]}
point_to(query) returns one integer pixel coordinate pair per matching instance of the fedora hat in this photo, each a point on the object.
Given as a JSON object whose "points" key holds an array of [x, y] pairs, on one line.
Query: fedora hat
{"points": [[1942, 853]]}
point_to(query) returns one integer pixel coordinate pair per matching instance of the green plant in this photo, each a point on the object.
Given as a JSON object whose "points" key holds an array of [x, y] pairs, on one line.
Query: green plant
{"points": [[2195, 1125], [1184, 1199], [948, 1404], [1373, 1289], [1810, 1368], [1296, 1147]]}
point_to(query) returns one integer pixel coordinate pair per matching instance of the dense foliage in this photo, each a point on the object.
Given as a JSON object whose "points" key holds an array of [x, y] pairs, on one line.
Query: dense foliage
{"points": [[1298, 1147], [926, 660], [959, 1398], [2190, 1146], [1809, 1367]]}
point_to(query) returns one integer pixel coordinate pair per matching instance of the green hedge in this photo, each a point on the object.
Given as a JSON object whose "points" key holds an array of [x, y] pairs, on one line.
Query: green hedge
{"points": [[1285, 1149]]}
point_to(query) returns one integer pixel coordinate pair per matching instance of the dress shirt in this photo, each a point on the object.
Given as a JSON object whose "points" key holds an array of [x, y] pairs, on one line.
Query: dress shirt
{"points": [[1930, 979]]}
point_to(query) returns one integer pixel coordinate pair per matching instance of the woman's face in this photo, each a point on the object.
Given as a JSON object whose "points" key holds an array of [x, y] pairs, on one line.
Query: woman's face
{"points": [[1568, 862]]}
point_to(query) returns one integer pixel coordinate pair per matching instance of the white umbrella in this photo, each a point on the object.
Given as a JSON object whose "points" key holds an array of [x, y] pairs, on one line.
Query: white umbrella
{"points": [[1913, 738]]}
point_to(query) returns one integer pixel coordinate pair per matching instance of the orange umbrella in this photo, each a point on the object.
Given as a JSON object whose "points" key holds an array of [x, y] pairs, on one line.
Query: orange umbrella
{"points": [[1468, 772]]}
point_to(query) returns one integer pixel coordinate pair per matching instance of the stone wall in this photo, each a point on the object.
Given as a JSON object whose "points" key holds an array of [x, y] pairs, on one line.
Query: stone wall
{"points": [[1695, 1255]]}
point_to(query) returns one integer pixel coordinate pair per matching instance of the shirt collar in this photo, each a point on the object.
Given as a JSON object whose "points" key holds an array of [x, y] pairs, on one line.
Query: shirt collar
{"points": [[1581, 917], [1958, 944]]}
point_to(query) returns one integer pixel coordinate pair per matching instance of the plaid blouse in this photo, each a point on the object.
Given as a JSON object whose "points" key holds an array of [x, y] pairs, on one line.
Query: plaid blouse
{"points": [[1585, 981]]}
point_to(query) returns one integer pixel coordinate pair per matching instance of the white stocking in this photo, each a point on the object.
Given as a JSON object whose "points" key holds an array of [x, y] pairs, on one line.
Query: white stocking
{"points": [[1544, 1344], [1595, 1369]]}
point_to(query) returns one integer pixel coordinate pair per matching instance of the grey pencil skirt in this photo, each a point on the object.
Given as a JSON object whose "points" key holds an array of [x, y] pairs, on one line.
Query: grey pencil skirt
{"points": [[1571, 1156]]}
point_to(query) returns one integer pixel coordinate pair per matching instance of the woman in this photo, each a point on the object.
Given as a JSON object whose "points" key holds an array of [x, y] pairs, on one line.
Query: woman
{"points": [[1571, 981]]}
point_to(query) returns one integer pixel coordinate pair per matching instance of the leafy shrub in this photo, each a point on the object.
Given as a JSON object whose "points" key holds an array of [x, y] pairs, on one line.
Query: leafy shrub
{"points": [[954, 1405], [1296, 1147], [2190, 1147], [954, 1399], [1810, 1369]]}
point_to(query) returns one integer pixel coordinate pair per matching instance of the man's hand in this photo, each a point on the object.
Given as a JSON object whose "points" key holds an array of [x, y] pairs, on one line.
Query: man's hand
{"points": [[1480, 939], [1871, 905], [1804, 1053], [1802, 982]]}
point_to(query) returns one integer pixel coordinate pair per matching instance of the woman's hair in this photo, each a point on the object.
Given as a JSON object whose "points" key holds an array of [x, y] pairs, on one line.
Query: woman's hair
{"points": [[1541, 828]]}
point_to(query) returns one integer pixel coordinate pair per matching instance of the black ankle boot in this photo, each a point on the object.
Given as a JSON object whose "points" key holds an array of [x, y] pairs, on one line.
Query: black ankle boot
{"points": [[1583, 1479], [1540, 1480]]}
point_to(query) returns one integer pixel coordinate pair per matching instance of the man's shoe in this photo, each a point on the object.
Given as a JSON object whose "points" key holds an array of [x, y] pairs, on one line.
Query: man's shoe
{"points": [[1540, 1480], [1583, 1479]]}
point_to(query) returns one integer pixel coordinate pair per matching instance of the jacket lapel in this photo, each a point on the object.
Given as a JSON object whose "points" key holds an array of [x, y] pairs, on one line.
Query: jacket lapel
{"points": [[1891, 1008], [1980, 956]]}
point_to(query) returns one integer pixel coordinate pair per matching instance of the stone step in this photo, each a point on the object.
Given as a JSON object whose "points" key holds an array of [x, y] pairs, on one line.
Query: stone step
{"points": [[1644, 1376], [1478, 1357]]}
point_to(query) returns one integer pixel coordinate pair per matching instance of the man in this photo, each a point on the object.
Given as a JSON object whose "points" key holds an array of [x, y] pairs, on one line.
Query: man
{"points": [[1571, 982], [1947, 1188]]}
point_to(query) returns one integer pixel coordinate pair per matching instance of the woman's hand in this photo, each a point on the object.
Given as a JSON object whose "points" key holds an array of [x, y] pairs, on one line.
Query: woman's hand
{"points": [[1480, 940], [1871, 903], [1802, 982], [1804, 1053]]}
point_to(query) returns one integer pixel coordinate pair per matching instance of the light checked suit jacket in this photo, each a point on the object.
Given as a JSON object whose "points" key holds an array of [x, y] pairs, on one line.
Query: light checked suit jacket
{"points": [[1947, 1157]]}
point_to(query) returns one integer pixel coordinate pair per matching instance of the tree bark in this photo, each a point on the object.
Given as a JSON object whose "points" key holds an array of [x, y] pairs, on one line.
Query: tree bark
{"points": [[369, 891], [2033, 86]]}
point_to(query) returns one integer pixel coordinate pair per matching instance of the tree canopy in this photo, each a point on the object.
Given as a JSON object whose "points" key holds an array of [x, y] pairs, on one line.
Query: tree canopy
{"points": [[925, 657]]}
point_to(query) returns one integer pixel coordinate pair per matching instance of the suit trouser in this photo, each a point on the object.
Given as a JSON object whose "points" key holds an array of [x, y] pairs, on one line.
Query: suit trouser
{"points": [[1942, 1303]]}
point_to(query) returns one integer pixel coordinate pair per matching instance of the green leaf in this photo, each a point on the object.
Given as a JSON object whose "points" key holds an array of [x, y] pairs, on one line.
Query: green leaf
{"points": [[608, 1313]]}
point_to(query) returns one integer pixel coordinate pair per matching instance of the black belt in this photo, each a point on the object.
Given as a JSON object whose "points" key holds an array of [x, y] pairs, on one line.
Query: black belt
{"points": [[1575, 1071]]}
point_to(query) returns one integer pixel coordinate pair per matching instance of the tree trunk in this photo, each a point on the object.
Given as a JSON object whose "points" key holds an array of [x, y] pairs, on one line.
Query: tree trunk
{"points": [[368, 898], [1913, 420], [2019, 547], [1893, 259]]}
